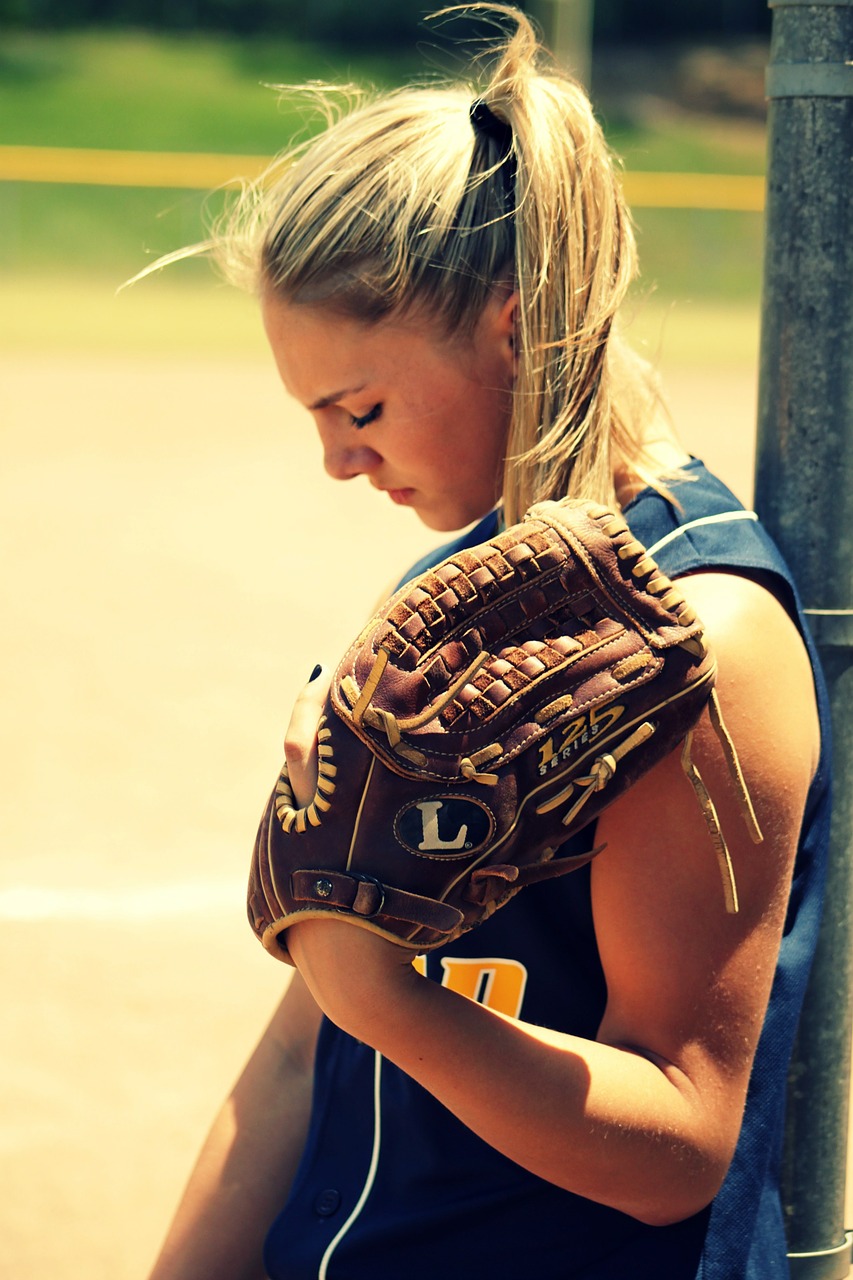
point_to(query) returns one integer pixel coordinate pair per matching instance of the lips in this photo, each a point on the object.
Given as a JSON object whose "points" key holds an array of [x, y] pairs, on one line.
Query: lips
{"points": [[401, 496]]}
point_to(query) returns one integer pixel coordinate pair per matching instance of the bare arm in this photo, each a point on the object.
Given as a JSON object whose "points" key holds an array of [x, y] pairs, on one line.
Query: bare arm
{"points": [[247, 1164], [645, 1118]]}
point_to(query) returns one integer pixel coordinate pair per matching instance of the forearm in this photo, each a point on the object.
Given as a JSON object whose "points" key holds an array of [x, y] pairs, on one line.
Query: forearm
{"points": [[599, 1120], [229, 1202], [242, 1176]]}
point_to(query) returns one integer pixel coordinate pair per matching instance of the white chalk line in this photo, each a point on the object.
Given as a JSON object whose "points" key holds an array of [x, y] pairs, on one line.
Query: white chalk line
{"points": [[33, 903]]}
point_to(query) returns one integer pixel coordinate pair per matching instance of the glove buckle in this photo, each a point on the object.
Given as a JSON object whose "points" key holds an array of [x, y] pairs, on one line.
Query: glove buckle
{"points": [[364, 903]]}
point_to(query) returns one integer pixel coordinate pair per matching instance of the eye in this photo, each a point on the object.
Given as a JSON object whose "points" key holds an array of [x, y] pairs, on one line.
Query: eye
{"points": [[371, 416]]}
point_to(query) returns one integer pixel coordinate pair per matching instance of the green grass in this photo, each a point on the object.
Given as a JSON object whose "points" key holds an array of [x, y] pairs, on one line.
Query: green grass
{"points": [[700, 254], [136, 90], [679, 142], [141, 91]]}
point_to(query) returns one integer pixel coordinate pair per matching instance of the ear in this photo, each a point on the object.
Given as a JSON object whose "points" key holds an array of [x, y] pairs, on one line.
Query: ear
{"points": [[506, 330]]}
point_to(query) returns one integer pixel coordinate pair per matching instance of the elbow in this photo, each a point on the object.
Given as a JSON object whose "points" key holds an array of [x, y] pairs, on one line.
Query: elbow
{"points": [[686, 1196], [668, 1214], [680, 1178], [671, 1188], [683, 1155]]}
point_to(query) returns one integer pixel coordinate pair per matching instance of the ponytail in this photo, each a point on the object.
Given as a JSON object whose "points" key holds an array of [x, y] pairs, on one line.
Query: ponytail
{"points": [[427, 199], [575, 258]]}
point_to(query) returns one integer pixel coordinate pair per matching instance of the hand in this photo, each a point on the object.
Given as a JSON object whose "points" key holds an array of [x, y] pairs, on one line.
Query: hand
{"points": [[351, 972], [300, 741]]}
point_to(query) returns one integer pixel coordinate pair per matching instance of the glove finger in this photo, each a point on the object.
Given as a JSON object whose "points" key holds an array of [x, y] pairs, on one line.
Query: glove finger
{"points": [[300, 740]]}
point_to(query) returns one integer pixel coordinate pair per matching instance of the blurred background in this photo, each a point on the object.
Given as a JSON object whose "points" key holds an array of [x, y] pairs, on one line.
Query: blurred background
{"points": [[678, 87], [168, 548]]}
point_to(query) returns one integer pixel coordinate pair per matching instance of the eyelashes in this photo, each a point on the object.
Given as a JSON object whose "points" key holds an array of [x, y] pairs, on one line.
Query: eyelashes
{"points": [[369, 417]]}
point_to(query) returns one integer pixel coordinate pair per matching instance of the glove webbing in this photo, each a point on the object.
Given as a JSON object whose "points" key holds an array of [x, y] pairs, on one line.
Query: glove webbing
{"points": [[441, 601]]}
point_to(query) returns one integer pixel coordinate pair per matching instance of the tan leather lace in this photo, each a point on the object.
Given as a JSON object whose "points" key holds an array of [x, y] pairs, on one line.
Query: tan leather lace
{"points": [[474, 768]]}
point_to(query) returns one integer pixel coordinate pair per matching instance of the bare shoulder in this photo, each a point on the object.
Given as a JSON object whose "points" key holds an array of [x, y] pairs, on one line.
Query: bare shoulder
{"points": [[764, 680], [687, 982], [766, 693]]}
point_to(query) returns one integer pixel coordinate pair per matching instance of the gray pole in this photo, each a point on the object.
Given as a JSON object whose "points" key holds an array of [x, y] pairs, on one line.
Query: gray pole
{"points": [[804, 493]]}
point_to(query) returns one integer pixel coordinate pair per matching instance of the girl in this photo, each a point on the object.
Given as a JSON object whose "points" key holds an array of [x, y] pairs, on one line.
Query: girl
{"points": [[592, 1083]]}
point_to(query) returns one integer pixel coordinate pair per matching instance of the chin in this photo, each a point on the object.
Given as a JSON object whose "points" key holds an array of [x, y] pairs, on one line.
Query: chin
{"points": [[450, 521], [442, 524], [438, 524]]}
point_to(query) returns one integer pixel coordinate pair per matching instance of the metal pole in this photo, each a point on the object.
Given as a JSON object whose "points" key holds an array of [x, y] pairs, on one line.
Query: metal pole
{"points": [[804, 493]]}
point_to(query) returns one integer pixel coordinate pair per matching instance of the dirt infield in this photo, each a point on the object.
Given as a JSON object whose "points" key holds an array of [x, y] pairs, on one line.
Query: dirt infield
{"points": [[171, 545]]}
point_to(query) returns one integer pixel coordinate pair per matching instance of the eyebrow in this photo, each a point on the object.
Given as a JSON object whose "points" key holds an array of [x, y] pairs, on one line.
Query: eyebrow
{"points": [[334, 397]]}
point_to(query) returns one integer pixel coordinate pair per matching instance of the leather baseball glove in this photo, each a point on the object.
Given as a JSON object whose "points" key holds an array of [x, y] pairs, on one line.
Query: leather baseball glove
{"points": [[491, 709]]}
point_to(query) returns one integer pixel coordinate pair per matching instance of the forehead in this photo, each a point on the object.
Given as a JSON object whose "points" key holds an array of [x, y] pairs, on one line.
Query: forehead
{"points": [[320, 352]]}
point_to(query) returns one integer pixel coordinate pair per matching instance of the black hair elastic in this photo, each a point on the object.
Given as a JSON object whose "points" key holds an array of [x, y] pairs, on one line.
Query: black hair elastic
{"points": [[484, 121]]}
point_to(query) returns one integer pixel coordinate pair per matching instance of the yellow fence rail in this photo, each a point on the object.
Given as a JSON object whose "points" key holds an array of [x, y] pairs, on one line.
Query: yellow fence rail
{"points": [[171, 169]]}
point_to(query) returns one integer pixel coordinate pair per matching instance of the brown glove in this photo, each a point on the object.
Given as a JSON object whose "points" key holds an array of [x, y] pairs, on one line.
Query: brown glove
{"points": [[489, 711]]}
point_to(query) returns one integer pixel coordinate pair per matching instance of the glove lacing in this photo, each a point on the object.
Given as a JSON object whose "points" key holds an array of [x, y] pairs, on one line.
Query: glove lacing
{"points": [[601, 771], [288, 815], [393, 727], [604, 766]]}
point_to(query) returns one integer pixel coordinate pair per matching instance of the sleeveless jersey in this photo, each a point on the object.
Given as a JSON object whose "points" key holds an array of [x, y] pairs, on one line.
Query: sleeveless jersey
{"points": [[391, 1184]]}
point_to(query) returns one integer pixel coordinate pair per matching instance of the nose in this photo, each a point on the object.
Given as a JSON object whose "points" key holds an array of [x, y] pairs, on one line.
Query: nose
{"points": [[345, 457]]}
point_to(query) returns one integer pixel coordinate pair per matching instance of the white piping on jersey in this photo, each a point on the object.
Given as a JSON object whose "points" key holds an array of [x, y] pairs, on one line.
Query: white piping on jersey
{"points": [[722, 518], [371, 1172]]}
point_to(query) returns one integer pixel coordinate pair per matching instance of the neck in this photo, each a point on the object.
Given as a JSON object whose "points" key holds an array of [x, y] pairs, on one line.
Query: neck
{"points": [[662, 454]]}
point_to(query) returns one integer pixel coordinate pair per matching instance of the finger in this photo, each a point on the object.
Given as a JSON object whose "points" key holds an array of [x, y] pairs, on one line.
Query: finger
{"points": [[300, 741]]}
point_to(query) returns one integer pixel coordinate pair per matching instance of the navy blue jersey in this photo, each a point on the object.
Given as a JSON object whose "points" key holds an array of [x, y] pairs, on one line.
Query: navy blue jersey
{"points": [[392, 1184]]}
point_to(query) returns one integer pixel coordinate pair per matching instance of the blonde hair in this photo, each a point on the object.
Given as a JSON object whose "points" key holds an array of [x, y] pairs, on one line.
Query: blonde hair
{"points": [[411, 202]]}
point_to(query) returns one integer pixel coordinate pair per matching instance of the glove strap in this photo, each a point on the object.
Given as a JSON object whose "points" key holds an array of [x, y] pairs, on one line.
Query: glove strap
{"points": [[368, 898], [481, 886]]}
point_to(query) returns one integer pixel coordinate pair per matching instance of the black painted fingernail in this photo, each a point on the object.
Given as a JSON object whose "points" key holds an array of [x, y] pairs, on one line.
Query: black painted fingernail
{"points": [[314, 674]]}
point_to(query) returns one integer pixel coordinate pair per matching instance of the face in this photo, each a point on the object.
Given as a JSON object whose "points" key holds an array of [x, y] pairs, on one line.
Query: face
{"points": [[423, 417]]}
